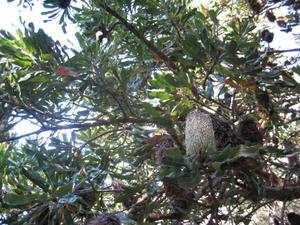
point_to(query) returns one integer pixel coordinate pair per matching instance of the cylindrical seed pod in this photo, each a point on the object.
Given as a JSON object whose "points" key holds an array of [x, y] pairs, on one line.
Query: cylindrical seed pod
{"points": [[199, 134]]}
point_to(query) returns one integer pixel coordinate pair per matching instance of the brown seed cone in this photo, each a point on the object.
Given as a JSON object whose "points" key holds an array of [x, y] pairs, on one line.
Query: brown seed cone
{"points": [[103, 219], [87, 194], [224, 133], [137, 211], [267, 36], [160, 147], [249, 132], [120, 187], [263, 102]]}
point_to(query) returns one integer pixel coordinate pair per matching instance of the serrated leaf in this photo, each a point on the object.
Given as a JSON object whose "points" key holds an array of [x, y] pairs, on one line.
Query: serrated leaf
{"points": [[189, 180], [151, 110], [163, 122], [63, 190], [174, 153], [36, 179], [193, 47], [231, 154], [172, 162], [23, 200], [168, 172], [296, 69]]}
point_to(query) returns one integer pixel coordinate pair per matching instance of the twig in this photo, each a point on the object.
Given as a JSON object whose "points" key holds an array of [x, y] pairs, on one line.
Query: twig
{"points": [[284, 193], [96, 137], [216, 102], [260, 205], [295, 133], [283, 51], [216, 60], [109, 190], [282, 212], [293, 120]]}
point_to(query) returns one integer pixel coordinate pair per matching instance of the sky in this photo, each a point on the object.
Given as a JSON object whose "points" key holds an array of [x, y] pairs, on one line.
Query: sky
{"points": [[10, 21]]}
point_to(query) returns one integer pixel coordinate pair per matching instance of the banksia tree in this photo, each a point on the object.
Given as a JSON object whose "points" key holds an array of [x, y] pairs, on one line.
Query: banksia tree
{"points": [[107, 130]]}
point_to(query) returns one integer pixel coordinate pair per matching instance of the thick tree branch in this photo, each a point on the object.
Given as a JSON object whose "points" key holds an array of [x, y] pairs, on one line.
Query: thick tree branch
{"points": [[282, 193], [80, 126], [272, 51], [140, 36]]}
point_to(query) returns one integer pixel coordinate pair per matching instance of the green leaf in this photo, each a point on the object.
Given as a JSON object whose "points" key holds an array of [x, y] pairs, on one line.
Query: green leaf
{"points": [[296, 69], [270, 75], [174, 153], [168, 173], [83, 113], [156, 116], [231, 154], [189, 179], [68, 219], [150, 110], [162, 95], [225, 72], [163, 122], [193, 47], [173, 162], [36, 179], [23, 200], [63, 190], [171, 80]]}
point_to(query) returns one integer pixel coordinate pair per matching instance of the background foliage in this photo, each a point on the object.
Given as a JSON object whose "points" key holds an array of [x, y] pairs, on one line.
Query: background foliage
{"points": [[114, 114]]}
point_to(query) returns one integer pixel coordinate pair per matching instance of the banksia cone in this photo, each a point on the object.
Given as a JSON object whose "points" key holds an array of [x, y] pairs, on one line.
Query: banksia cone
{"points": [[224, 133], [199, 134], [88, 195], [249, 132], [160, 148]]}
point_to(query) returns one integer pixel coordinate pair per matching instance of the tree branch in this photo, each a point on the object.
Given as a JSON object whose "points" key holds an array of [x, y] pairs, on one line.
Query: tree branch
{"points": [[80, 126], [140, 36], [98, 136], [286, 193], [284, 50]]}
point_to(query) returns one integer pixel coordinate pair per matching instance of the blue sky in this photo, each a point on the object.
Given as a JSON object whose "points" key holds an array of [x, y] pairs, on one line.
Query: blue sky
{"points": [[10, 12], [9, 20]]}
